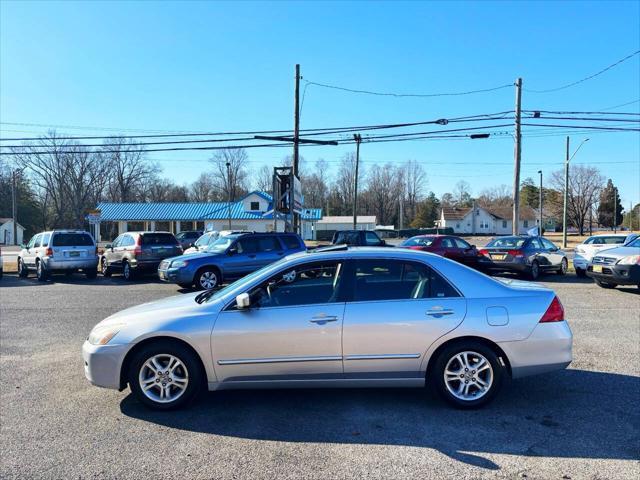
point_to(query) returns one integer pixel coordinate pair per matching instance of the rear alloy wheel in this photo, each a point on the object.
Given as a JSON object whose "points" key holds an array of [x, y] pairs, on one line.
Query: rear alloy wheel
{"points": [[104, 268], [41, 272], [127, 271], [23, 271], [207, 279], [564, 265], [165, 375], [468, 375], [605, 284], [534, 270]]}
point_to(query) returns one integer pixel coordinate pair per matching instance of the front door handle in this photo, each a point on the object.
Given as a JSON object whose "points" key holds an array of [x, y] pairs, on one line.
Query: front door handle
{"points": [[439, 312], [323, 319]]}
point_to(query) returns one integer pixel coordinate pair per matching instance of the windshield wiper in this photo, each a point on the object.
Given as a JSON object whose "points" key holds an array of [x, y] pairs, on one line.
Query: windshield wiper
{"points": [[204, 296]]}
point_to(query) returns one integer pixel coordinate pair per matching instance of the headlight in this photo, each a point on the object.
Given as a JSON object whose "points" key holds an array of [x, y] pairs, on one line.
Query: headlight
{"points": [[103, 335], [630, 260], [179, 263]]}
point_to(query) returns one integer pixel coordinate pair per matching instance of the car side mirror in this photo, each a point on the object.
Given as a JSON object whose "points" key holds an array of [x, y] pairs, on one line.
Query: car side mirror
{"points": [[232, 251], [108, 246], [243, 301]]}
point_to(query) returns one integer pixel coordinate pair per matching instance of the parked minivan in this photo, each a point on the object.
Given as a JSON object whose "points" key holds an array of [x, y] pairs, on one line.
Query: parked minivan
{"points": [[59, 251], [229, 258], [136, 252]]}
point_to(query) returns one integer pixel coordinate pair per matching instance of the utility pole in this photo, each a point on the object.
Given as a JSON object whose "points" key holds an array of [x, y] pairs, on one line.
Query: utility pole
{"points": [[296, 145], [14, 207], [615, 210], [540, 205], [566, 197], [229, 187], [517, 154], [358, 139]]}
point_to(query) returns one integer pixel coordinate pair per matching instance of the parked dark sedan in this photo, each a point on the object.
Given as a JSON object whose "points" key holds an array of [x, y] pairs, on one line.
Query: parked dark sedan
{"points": [[188, 238], [448, 246], [521, 254]]}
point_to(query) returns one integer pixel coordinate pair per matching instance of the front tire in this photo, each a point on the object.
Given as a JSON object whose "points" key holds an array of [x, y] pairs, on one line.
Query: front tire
{"points": [[564, 265], [534, 270], [581, 273], [467, 375], [105, 269], [207, 278], [165, 375], [605, 284]]}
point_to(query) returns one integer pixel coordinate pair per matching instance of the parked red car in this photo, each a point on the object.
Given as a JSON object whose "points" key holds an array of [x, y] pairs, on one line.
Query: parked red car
{"points": [[448, 246]]}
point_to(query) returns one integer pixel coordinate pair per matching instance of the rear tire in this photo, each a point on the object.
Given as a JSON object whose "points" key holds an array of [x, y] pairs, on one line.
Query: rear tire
{"points": [[91, 273], [606, 284], [163, 384], [534, 270], [41, 272], [455, 376], [104, 268], [581, 273], [564, 265], [127, 272], [23, 271]]}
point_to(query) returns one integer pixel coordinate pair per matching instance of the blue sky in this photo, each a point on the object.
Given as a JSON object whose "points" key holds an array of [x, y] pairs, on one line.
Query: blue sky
{"points": [[215, 66]]}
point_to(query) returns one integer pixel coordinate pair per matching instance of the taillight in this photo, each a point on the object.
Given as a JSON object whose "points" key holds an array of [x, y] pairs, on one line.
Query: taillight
{"points": [[483, 251], [515, 253], [555, 312], [49, 252], [138, 249]]}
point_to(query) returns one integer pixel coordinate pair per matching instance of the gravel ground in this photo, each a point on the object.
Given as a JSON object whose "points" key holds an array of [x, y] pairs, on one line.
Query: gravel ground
{"points": [[583, 422]]}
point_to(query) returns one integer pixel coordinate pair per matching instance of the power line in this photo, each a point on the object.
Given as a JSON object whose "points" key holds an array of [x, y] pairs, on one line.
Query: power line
{"points": [[566, 112], [621, 105], [619, 129], [412, 95], [586, 78]]}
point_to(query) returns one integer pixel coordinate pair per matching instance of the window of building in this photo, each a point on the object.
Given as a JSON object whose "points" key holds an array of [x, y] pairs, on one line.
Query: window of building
{"points": [[255, 206], [504, 224], [526, 223]]}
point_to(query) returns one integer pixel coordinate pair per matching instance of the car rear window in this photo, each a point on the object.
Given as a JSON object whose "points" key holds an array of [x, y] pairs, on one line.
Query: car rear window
{"points": [[350, 238], [159, 239], [605, 240], [72, 240], [507, 242], [290, 242], [418, 242]]}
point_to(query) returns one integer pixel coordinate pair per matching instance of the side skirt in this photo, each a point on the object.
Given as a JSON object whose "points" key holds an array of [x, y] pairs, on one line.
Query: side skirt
{"points": [[414, 382]]}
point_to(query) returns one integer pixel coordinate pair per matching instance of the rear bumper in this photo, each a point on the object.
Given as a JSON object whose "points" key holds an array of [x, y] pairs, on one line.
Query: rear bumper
{"points": [[146, 265], [519, 267], [102, 364], [618, 274], [70, 264], [548, 348]]}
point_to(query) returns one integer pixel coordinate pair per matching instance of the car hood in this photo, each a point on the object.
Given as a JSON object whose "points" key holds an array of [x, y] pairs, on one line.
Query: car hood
{"points": [[619, 252], [195, 256], [170, 307]]}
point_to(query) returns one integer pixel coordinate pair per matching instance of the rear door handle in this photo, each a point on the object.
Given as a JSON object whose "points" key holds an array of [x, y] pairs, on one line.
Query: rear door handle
{"points": [[323, 319], [439, 312]]}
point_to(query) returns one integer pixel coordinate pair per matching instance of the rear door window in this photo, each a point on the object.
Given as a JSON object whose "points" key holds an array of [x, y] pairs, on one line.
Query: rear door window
{"points": [[268, 244], [461, 243], [159, 239], [290, 242], [127, 241], [377, 280], [72, 240], [371, 239], [448, 243], [247, 245], [350, 238], [36, 243]]}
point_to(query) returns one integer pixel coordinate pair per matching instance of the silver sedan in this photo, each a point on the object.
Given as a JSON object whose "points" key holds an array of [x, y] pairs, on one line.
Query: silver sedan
{"points": [[352, 317]]}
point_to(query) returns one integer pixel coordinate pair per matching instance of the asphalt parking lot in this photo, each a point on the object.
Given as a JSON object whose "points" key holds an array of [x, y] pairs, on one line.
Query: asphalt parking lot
{"points": [[583, 422]]}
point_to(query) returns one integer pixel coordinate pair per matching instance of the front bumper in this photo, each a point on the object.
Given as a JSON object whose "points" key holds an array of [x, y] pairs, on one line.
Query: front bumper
{"points": [[175, 275], [102, 364], [618, 274], [548, 348], [70, 264], [580, 262]]}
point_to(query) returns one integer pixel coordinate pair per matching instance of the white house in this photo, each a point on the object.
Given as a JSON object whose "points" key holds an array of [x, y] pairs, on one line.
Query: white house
{"points": [[6, 232], [483, 221], [253, 212]]}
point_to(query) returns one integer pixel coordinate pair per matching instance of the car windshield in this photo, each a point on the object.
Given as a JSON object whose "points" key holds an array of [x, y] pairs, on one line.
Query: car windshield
{"points": [[203, 240], [221, 244], [418, 242], [210, 295], [507, 242], [72, 240]]}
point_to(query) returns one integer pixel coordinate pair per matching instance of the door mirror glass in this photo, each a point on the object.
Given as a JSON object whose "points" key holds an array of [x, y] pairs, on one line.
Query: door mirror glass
{"points": [[232, 251], [243, 301]]}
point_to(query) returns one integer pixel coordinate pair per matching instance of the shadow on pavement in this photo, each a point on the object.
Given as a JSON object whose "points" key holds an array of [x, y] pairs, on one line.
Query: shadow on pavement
{"points": [[570, 414], [13, 280]]}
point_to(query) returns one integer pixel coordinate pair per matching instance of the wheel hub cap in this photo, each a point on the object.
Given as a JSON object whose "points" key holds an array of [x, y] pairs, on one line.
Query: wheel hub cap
{"points": [[468, 375], [163, 378]]}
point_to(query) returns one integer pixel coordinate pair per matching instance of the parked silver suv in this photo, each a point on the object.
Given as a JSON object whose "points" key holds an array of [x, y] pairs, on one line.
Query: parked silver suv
{"points": [[59, 251]]}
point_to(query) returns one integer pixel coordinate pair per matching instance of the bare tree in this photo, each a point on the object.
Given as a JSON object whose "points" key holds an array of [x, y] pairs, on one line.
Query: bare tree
{"points": [[500, 196], [234, 184], [315, 187], [263, 180], [416, 184], [204, 189], [462, 194], [341, 194], [384, 190], [585, 183]]}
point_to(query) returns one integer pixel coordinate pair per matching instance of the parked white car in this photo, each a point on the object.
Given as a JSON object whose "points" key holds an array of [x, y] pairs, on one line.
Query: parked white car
{"points": [[203, 242], [585, 252]]}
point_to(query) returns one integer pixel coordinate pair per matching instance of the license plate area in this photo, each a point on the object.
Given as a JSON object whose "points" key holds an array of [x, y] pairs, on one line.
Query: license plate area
{"points": [[597, 268], [74, 254], [500, 256], [162, 275]]}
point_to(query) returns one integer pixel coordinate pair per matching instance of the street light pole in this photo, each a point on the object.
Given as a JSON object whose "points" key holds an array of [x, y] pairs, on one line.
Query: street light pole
{"points": [[566, 190], [540, 205], [14, 207], [358, 139], [615, 211], [229, 188]]}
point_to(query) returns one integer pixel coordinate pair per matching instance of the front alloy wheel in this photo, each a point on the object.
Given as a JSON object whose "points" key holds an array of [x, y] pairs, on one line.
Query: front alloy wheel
{"points": [[564, 265], [163, 378], [207, 279], [468, 375], [534, 271], [104, 268]]}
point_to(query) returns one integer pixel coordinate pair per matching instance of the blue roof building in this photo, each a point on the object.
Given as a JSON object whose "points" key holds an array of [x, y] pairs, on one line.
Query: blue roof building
{"points": [[252, 212]]}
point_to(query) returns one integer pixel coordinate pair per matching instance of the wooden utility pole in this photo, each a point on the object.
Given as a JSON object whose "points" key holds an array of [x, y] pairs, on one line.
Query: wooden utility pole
{"points": [[14, 206], [566, 196], [229, 187], [358, 139], [540, 232], [615, 210], [296, 143], [517, 154]]}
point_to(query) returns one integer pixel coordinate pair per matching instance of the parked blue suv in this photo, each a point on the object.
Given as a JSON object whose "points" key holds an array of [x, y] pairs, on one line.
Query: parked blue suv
{"points": [[229, 258]]}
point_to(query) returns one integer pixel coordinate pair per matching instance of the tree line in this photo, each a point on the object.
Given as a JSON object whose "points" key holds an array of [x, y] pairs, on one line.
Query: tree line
{"points": [[55, 189]]}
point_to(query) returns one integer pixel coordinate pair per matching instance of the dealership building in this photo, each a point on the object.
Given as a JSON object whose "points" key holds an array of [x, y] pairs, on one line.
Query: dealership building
{"points": [[253, 212]]}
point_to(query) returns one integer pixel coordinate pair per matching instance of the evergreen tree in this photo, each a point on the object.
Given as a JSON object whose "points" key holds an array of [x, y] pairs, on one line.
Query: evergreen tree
{"points": [[608, 196], [428, 212]]}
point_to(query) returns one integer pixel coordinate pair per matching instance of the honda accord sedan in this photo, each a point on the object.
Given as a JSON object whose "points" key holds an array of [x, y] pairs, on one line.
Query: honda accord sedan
{"points": [[341, 316]]}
